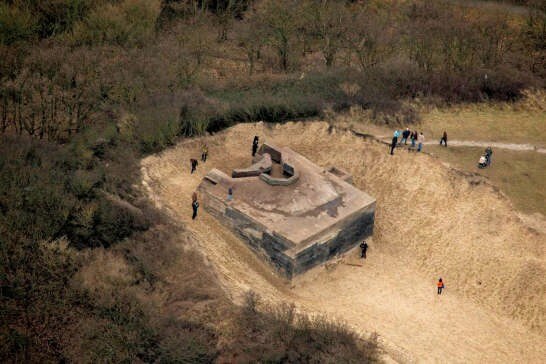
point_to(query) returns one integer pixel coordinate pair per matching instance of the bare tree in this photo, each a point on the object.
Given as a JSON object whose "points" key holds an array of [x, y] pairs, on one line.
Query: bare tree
{"points": [[327, 23], [369, 36], [226, 11], [279, 21], [250, 36]]}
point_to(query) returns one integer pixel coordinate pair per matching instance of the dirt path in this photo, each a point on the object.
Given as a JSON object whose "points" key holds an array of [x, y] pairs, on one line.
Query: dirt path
{"points": [[493, 307], [482, 144]]}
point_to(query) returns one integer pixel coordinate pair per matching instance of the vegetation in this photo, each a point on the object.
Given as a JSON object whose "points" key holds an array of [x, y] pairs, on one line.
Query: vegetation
{"points": [[88, 87], [280, 334], [500, 122], [519, 175]]}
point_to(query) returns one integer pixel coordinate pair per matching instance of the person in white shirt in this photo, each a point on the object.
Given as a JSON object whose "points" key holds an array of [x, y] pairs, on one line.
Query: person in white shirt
{"points": [[420, 141]]}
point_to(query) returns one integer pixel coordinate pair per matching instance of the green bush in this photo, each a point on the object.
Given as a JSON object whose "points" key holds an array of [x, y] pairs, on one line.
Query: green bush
{"points": [[131, 22], [16, 24], [154, 136], [58, 16]]}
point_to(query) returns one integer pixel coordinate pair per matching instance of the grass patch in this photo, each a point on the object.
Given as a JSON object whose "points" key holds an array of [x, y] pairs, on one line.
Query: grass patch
{"points": [[487, 122], [520, 175]]}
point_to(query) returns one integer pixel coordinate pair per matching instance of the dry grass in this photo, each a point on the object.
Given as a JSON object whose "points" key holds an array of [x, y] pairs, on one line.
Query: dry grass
{"points": [[104, 270], [520, 122], [489, 123], [430, 221], [520, 175]]}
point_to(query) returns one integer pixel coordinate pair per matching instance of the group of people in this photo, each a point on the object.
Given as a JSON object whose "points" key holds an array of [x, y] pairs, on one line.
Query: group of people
{"points": [[193, 164], [413, 136], [204, 155]]}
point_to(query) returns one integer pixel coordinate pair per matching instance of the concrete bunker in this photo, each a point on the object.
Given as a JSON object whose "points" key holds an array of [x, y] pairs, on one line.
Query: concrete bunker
{"points": [[288, 209]]}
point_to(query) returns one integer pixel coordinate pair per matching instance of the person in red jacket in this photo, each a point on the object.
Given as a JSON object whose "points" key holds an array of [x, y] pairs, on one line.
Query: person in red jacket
{"points": [[440, 285]]}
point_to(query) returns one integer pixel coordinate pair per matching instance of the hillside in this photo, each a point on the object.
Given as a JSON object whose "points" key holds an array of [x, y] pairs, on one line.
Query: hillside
{"points": [[431, 221]]}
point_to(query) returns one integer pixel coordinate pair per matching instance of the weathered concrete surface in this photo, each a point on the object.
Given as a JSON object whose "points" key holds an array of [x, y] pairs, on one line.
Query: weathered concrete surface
{"points": [[341, 173], [263, 164], [298, 225]]}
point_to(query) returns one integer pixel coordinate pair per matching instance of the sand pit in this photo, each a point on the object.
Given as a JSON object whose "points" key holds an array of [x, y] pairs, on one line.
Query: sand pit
{"points": [[431, 221]]}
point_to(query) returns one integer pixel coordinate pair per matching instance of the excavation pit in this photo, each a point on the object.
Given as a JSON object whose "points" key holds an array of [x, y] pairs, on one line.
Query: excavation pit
{"points": [[290, 210]]}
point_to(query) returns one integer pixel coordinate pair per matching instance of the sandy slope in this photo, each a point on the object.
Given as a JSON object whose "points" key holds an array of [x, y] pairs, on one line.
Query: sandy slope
{"points": [[431, 221]]}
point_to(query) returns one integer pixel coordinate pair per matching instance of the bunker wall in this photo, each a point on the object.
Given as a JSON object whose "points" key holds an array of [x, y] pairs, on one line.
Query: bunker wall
{"points": [[340, 238], [345, 237]]}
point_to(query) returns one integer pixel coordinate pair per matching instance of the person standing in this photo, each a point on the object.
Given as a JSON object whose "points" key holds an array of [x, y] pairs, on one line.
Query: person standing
{"points": [[405, 135], [193, 162], [488, 155], [440, 285], [194, 205], [230, 194], [204, 152], [394, 141], [363, 249], [255, 143], [444, 139], [413, 138], [420, 141]]}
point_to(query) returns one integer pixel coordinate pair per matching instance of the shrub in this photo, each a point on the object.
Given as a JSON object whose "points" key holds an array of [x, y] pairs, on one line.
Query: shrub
{"points": [[16, 24], [196, 111], [36, 298], [154, 136], [274, 334], [131, 22], [57, 16]]}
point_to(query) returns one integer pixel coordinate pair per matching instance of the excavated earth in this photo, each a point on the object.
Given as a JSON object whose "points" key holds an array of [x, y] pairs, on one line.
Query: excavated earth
{"points": [[431, 221]]}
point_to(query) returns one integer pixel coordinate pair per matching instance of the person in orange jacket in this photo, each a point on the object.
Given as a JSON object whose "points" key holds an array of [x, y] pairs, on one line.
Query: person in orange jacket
{"points": [[440, 285]]}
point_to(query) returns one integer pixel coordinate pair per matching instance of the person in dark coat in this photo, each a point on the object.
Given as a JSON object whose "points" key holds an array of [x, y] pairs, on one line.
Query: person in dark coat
{"points": [[394, 141], [405, 135], [444, 139], [413, 138], [363, 249], [194, 205], [255, 143], [193, 162], [488, 155]]}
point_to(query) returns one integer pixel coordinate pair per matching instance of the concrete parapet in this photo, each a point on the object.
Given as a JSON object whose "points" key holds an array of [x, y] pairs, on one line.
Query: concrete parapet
{"points": [[263, 165], [274, 151], [279, 181], [341, 173]]}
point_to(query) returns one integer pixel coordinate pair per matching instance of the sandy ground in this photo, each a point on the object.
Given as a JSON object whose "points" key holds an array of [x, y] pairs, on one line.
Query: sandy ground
{"points": [[431, 221]]}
